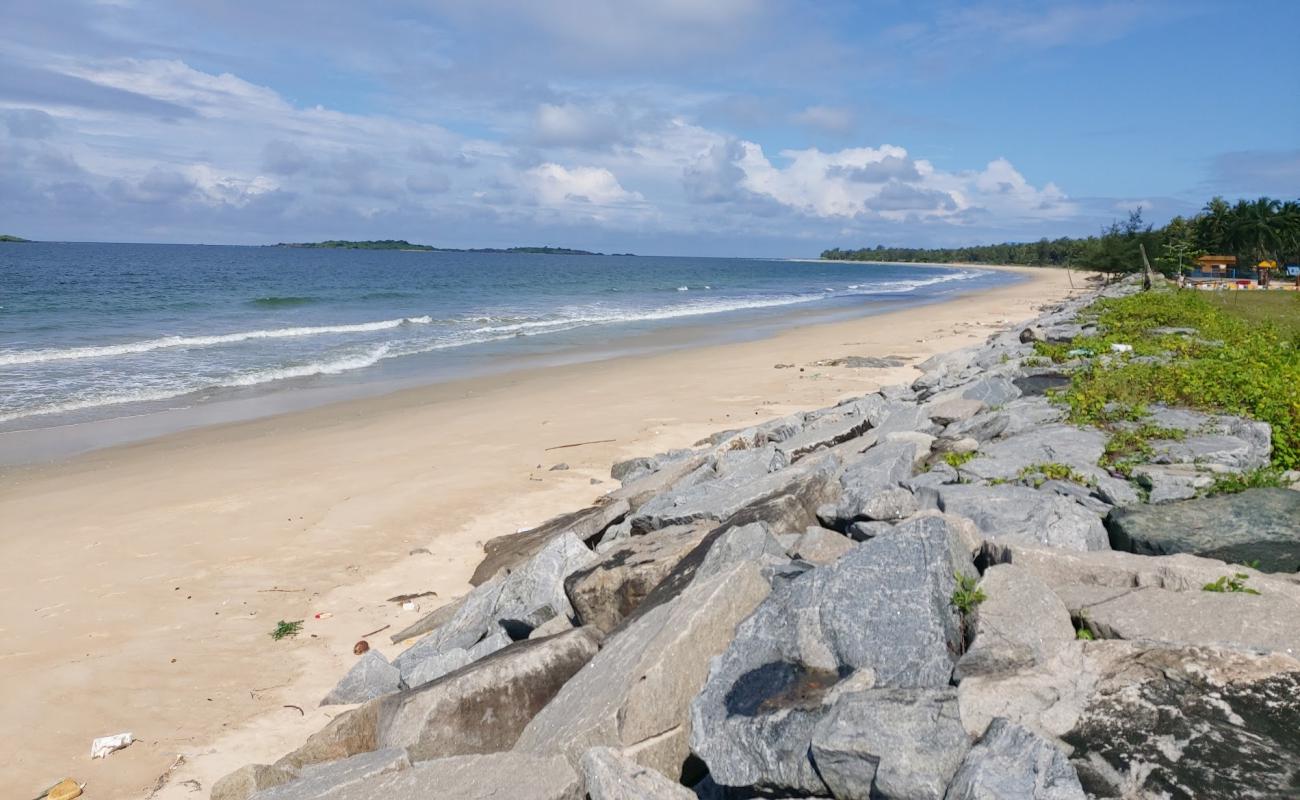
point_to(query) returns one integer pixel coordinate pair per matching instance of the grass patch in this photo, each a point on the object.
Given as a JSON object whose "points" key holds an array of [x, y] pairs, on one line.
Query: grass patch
{"points": [[1239, 366], [1232, 483], [955, 460], [286, 629], [966, 597], [1277, 308], [1038, 474]]}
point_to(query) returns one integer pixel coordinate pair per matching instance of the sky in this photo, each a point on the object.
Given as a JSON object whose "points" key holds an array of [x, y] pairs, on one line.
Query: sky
{"points": [[675, 127]]}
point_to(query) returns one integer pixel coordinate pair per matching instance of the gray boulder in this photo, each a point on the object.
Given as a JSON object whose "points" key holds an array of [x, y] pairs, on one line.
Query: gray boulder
{"points": [[737, 544], [904, 417], [822, 434], [1020, 624], [992, 391], [956, 409], [635, 694], [606, 592], [1023, 513], [890, 505], [820, 546], [1011, 761], [900, 743], [881, 610], [879, 468], [510, 551], [250, 779], [609, 775], [439, 664], [370, 677], [1077, 448], [339, 778], [490, 776], [1257, 525]]}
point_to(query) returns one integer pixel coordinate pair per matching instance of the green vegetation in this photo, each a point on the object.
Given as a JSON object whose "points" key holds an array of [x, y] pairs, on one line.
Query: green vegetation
{"points": [[1083, 634], [1250, 229], [955, 460], [1236, 582], [1244, 368], [966, 597], [4, 237], [1038, 474], [402, 244], [1232, 483], [1279, 308], [283, 629]]}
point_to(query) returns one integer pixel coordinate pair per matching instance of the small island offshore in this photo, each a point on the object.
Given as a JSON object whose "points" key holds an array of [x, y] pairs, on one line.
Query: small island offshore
{"points": [[4, 237], [402, 244]]}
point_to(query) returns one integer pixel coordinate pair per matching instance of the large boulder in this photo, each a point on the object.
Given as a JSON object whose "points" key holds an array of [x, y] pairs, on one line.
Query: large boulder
{"points": [[1217, 440], [491, 776], [903, 743], [338, 778], [635, 694], [1020, 624], [606, 592], [514, 602], [1012, 762], [820, 546], [250, 779], [369, 678], [879, 469], [610, 775], [508, 552], [823, 433], [1005, 512], [1257, 525], [882, 612], [1007, 459]]}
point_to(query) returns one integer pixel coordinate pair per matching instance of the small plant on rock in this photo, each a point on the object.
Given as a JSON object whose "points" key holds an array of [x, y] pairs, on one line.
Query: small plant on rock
{"points": [[955, 460], [284, 629], [1236, 582], [965, 599]]}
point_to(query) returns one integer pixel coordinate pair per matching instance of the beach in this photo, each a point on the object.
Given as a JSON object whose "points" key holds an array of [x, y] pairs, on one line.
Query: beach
{"points": [[140, 582]]}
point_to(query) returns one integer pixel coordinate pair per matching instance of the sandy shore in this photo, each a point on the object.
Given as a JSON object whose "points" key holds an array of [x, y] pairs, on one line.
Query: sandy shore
{"points": [[138, 584]]}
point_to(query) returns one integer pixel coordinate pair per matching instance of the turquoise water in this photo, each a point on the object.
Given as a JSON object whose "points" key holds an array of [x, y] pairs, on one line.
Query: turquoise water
{"points": [[89, 331]]}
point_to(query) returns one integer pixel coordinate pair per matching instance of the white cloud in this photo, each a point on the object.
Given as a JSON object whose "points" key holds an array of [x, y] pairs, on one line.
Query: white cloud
{"points": [[555, 185]]}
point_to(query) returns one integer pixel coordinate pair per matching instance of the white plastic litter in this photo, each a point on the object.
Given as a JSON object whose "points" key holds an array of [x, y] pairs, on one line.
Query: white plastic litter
{"points": [[1121, 348], [104, 745], [410, 605]]}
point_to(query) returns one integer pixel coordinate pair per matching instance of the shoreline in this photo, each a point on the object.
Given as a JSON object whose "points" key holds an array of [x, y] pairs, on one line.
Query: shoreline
{"points": [[326, 511]]}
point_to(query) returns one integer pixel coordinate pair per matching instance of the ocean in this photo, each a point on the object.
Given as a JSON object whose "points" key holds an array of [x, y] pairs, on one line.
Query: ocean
{"points": [[94, 331]]}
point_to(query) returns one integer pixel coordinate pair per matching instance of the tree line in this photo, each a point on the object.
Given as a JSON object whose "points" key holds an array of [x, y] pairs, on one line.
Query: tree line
{"points": [[1251, 230]]}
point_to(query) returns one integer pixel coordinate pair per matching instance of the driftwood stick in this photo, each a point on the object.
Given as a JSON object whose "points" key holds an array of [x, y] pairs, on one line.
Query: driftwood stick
{"points": [[372, 633], [579, 444]]}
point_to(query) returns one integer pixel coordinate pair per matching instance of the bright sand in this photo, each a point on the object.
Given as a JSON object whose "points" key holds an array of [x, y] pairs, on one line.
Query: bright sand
{"points": [[138, 584]]}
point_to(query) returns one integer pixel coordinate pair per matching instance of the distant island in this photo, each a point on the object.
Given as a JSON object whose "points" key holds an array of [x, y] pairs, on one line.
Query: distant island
{"points": [[402, 244], [4, 237]]}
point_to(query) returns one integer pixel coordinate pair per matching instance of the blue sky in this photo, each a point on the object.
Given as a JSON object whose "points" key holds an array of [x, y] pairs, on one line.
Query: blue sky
{"points": [[732, 127]]}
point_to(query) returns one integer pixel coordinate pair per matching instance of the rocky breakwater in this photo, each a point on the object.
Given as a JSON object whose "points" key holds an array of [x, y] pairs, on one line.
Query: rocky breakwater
{"points": [[912, 594]]}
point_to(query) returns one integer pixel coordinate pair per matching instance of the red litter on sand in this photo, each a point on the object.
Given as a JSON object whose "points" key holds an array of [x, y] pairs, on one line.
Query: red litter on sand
{"points": [[323, 615]]}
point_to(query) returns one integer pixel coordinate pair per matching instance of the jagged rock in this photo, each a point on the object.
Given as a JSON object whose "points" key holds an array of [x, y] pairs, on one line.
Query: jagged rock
{"points": [[819, 436], [820, 546], [737, 544], [890, 505], [508, 552], [370, 677], [606, 592], [959, 445], [897, 391], [1116, 492], [882, 467], [633, 468], [516, 602], [991, 391], [338, 778], [1188, 722], [982, 427], [1021, 623], [552, 626], [901, 417], [439, 664], [1077, 448], [863, 362], [1038, 382], [1265, 622], [1231, 442], [609, 775], [1029, 413], [923, 441], [904, 743], [490, 776], [250, 779], [883, 609], [793, 492], [434, 619], [1077, 492], [639, 487], [862, 531], [635, 693], [1011, 762], [957, 409], [1250, 526], [350, 733], [1026, 514], [1166, 483], [1030, 334]]}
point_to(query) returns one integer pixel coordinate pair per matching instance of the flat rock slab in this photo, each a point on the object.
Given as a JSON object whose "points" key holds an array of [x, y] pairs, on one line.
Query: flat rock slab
{"points": [[338, 778], [1018, 512], [1021, 623], [822, 434], [610, 775], [492, 776], [369, 678], [1257, 525], [1012, 762], [508, 552], [1077, 448]]}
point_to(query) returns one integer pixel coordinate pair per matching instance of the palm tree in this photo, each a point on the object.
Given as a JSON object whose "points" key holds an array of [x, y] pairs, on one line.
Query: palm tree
{"points": [[1255, 229], [1288, 217], [1212, 226]]}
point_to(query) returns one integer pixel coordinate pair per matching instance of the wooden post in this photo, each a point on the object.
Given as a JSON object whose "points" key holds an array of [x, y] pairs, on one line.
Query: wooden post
{"points": [[1146, 269]]}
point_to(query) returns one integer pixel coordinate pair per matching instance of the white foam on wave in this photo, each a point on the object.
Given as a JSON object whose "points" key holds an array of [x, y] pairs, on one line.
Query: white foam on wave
{"points": [[15, 358]]}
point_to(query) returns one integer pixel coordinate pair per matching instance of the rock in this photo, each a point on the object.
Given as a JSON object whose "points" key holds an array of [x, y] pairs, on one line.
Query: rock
{"points": [[434, 619], [609, 775], [738, 544], [890, 743], [1023, 513], [635, 694], [1265, 622], [1020, 624], [492, 776], [896, 392], [1116, 492], [639, 487], [250, 779], [882, 467], [881, 610], [439, 664], [348, 734], [981, 427], [863, 362], [1254, 525], [1188, 722], [1166, 483], [483, 707], [923, 441], [370, 677], [1028, 413], [517, 602], [862, 531], [552, 626], [819, 436], [338, 778], [901, 417], [561, 467], [782, 498], [633, 468], [1231, 442], [508, 552], [957, 409], [991, 391], [1007, 459], [1038, 382], [959, 445], [1030, 334], [1011, 761], [890, 505], [606, 592], [820, 546]]}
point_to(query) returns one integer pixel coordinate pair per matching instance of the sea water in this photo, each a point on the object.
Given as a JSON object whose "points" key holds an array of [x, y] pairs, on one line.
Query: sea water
{"points": [[92, 331]]}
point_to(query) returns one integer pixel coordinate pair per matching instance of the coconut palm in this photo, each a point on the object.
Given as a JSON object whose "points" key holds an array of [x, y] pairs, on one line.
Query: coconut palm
{"points": [[1255, 229]]}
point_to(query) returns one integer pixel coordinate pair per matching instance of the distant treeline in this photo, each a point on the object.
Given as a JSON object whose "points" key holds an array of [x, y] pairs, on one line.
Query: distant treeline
{"points": [[4, 237], [402, 244], [1251, 230]]}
